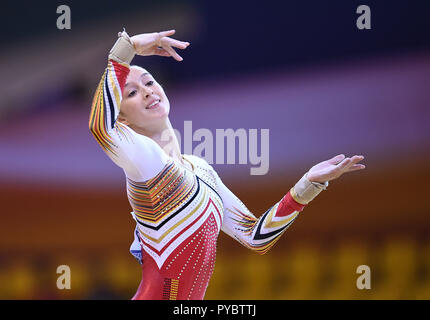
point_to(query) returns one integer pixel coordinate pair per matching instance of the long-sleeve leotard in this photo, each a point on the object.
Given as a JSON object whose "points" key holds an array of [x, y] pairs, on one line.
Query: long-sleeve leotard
{"points": [[179, 211]]}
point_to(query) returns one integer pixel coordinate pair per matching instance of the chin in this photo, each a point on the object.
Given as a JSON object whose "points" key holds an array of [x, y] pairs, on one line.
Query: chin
{"points": [[164, 111], [161, 115]]}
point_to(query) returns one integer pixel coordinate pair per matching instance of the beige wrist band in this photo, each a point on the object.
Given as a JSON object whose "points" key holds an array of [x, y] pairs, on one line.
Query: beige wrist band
{"points": [[123, 50], [305, 191]]}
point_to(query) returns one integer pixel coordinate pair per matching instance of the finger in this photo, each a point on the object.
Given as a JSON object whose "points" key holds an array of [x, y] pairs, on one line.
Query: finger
{"points": [[343, 164], [155, 50], [336, 159], [356, 159], [173, 53], [167, 33], [356, 167], [161, 52], [177, 43]]}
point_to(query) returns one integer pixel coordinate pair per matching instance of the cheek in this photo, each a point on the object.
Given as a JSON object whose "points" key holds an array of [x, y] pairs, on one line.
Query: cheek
{"points": [[163, 96], [130, 109], [159, 91]]}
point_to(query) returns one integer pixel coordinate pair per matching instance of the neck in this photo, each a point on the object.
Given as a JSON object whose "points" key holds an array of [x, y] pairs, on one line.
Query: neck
{"points": [[165, 137]]}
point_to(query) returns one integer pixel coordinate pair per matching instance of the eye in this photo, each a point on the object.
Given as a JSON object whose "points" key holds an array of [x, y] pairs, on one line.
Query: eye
{"points": [[132, 93], [150, 83]]}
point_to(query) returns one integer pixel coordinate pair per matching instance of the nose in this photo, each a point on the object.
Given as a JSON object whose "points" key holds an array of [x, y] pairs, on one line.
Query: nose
{"points": [[147, 92]]}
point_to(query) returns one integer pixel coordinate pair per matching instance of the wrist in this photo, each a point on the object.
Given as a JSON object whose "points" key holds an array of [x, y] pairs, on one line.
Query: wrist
{"points": [[304, 191], [123, 50]]}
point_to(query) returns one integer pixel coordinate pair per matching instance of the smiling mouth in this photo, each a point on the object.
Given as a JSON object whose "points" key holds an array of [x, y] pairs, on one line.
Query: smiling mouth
{"points": [[153, 105]]}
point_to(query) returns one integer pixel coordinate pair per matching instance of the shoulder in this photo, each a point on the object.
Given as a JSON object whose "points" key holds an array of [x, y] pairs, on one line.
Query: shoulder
{"points": [[197, 161], [201, 166], [126, 134]]}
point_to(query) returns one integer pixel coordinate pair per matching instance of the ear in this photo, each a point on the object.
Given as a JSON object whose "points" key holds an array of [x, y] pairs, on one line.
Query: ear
{"points": [[122, 119]]}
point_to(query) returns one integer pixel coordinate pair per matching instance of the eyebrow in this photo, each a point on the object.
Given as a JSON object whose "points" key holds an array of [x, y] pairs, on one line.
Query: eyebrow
{"points": [[141, 76]]}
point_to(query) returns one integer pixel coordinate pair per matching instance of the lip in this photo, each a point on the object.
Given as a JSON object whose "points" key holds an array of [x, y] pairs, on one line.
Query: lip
{"points": [[155, 105]]}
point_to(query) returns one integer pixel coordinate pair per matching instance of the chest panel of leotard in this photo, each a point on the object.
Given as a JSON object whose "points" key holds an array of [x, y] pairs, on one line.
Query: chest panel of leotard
{"points": [[179, 216]]}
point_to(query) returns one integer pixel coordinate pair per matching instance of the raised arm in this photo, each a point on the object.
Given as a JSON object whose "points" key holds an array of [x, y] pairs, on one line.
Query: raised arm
{"points": [[139, 156], [105, 106], [260, 234]]}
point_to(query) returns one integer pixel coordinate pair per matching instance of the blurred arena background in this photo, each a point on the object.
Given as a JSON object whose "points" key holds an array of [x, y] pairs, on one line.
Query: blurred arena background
{"points": [[299, 68]]}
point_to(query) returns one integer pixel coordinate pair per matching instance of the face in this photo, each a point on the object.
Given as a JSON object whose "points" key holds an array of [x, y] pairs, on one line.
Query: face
{"points": [[144, 103]]}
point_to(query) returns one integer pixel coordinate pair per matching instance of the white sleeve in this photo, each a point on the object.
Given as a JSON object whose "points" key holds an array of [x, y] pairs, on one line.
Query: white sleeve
{"points": [[260, 234]]}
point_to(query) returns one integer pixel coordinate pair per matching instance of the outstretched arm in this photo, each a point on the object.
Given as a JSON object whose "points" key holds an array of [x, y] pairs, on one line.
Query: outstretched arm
{"points": [[138, 155], [262, 233]]}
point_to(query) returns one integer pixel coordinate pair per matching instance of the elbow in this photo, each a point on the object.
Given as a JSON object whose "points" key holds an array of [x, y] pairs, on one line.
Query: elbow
{"points": [[260, 252], [258, 248], [261, 249], [93, 128], [94, 132]]}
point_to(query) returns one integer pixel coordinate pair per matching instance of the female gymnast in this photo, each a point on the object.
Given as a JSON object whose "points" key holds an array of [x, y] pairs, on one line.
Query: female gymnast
{"points": [[179, 202]]}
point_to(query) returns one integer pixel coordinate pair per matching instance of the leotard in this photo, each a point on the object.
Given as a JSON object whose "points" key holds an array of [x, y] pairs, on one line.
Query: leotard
{"points": [[180, 209]]}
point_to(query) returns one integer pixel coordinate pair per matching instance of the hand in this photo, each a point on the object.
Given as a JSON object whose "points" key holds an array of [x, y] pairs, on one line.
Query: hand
{"points": [[158, 43], [334, 168]]}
